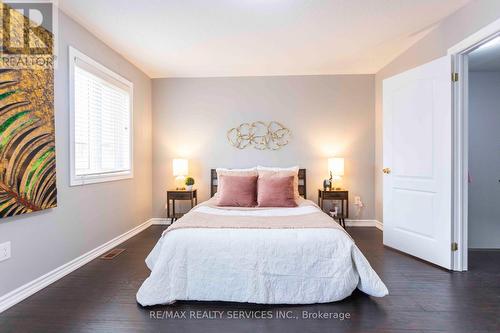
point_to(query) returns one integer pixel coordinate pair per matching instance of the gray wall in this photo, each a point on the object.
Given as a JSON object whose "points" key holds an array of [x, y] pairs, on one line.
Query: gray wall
{"points": [[86, 216], [484, 160], [328, 115], [452, 30]]}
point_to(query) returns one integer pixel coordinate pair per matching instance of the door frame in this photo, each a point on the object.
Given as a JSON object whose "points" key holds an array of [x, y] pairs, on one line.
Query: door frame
{"points": [[460, 139]]}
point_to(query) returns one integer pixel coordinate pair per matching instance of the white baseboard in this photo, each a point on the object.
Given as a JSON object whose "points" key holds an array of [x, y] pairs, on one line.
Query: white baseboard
{"points": [[363, 223], [379, 225], [19, 294], [160, 221]]}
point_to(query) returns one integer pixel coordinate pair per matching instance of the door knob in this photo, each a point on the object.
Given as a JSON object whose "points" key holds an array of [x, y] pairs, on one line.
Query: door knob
{"points": [[386, 170]]}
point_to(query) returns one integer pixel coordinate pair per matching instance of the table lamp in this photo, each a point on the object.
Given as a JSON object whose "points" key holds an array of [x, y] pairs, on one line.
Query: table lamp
{"points": [[336, 169], [180, 171]]}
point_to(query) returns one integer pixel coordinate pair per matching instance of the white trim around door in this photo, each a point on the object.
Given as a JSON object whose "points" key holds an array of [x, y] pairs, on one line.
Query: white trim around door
{"points": [[459, 53]]}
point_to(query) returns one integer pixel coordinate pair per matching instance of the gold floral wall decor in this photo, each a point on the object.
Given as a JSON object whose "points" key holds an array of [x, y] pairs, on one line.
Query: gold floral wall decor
{"points": [[260, 135]]}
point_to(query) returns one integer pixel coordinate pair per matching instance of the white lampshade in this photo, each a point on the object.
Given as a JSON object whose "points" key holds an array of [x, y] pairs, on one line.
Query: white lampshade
{"points": [[336, 166], [180, 167]]}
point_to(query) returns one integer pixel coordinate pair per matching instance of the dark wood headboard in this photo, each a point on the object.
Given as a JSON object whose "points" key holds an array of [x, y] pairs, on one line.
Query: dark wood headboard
{"points": [[302, 182]]}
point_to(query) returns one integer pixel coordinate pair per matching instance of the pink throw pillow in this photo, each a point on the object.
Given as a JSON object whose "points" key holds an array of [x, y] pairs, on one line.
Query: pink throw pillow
{"points": [[237, 191], [282, 172], [276, 192]]}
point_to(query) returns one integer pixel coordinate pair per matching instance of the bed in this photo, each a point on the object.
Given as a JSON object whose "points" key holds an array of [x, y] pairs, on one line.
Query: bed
{"points": [[293, 255]]}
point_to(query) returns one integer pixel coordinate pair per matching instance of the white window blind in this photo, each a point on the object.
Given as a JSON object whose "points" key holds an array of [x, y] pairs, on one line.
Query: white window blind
{"points": [[102, 123]]}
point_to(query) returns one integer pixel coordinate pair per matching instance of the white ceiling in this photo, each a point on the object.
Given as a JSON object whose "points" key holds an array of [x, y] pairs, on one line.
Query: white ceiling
{"points": [[198, 38], [486, 58]]}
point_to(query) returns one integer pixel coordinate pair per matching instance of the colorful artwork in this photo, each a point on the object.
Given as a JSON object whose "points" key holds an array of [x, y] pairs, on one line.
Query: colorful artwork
{"points": [[27, 138]]}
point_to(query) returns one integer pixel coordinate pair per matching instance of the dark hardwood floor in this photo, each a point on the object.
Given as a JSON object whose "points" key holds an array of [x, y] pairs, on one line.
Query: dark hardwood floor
{"points": [[100, 297]]}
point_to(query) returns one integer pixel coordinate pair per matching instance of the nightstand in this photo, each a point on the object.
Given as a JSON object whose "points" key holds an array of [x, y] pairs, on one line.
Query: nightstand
{"points": [[180, 195], [334, 195]]}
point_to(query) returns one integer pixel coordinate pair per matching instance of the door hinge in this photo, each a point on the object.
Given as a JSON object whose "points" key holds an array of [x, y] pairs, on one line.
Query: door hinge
{"points": [[454, 246], [454, 77]]}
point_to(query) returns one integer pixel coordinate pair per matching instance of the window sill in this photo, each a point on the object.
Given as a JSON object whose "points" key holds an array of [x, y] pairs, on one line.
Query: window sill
{"points": [[86, 180]]}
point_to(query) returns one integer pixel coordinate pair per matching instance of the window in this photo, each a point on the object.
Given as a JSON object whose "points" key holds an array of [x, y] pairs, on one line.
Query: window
{"points": [[101, 122]]}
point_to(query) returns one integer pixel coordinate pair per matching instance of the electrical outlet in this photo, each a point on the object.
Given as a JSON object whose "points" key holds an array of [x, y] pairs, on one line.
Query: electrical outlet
{"points": [[4, 251], [357, 200]]}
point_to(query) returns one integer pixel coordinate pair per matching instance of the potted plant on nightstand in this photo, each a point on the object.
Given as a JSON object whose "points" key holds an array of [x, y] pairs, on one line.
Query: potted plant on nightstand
{"points": [[189, 183]]}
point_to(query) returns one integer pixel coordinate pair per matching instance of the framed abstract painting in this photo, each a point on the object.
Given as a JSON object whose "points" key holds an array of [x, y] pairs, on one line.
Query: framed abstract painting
{"points": [[27, 134]]}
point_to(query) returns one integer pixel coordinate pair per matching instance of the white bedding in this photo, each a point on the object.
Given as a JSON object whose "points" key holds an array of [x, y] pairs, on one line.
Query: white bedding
{"points": [[271, 266]]}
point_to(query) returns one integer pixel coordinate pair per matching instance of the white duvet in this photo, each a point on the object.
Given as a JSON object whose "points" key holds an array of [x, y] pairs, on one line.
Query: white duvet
{"points": [[271, 266]]}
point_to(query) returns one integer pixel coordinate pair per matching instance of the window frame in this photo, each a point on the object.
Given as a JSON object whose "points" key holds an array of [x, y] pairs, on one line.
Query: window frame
{"points": [[76, 180]]}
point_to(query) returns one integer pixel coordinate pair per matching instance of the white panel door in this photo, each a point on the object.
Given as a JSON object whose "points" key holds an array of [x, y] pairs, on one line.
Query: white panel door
{"points": [[417, 162]]}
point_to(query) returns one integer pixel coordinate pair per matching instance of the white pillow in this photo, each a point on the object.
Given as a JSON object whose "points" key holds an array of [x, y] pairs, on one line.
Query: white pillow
{"points": [[276, 169], [237, 172]]}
